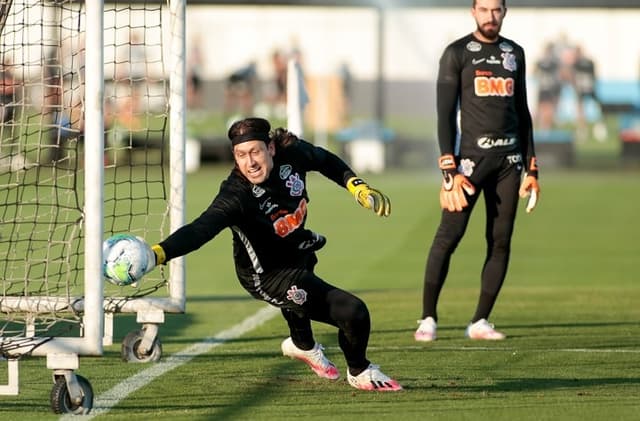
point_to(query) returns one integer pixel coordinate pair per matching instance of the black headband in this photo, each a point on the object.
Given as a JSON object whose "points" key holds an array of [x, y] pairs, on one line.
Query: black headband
{"points": [[250, 136]]}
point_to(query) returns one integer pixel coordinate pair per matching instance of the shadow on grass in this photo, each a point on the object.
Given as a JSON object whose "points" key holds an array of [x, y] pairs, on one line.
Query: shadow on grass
{"points": [[549, 385], [505, 327], [225, 388]]}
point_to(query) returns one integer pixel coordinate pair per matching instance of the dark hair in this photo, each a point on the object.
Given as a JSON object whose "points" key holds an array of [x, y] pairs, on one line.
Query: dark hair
{"points": [[245, 129], [504, 3], [284, 138], [259, 129]]}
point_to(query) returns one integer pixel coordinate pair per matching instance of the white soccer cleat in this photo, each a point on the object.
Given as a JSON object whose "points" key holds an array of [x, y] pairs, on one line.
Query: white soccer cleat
{"points": [[373, 379], [426, 330], [482, 329], [314, 358]]}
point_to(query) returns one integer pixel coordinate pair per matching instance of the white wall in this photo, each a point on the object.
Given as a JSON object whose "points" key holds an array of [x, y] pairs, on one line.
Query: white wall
{"points": [[231, 36]]}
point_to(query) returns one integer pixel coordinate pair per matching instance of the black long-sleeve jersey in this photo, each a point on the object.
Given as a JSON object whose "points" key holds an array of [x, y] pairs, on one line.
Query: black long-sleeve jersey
{"points": [[267, 219], [486, 83]]}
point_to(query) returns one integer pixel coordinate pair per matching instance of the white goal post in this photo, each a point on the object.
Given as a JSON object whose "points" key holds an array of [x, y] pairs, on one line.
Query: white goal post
{"points": [[92, 142]]}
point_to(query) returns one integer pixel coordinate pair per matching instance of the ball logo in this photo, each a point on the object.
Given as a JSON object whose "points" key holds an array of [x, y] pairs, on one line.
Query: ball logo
{"points": [[126, 259]]}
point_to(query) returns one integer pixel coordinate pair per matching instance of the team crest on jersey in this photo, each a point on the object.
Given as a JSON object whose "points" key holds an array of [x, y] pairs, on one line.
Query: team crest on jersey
{"points": [[509, 62], [466, 167], [295, 184], [298, 296], [257, 190], [285, 171], [506, 47]]}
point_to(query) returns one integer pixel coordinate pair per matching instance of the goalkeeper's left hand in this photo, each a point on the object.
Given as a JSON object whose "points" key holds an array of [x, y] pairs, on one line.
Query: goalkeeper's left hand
{"points": [[155, 255], [368, 197], [531, 188]]}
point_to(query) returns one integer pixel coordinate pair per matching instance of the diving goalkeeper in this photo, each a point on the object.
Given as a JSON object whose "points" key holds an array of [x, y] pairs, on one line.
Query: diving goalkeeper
{"points": [[264, 202]]}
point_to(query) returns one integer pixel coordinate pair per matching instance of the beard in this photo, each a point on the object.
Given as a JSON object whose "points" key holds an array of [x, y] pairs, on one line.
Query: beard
{"points": [[489, 32]]}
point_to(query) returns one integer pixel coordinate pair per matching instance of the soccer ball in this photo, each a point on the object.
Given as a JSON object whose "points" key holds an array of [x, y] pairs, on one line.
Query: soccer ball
{"points": [[126, 259]]}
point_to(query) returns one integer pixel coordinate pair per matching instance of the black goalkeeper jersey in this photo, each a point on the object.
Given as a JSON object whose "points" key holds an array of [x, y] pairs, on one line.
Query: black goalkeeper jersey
{"points": [[485, 83], [268, 219]]}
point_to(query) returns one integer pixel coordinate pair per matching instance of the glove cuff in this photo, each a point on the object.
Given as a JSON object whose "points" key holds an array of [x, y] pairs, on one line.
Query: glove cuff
{"points": [[532, 167], [161, 257], [447, 164], [353, 185]]}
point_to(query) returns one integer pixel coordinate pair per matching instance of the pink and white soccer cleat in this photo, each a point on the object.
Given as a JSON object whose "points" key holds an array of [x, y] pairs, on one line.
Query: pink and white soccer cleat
{"points": [[482, 329], [426, 330], [314, 358], [373, 379]]}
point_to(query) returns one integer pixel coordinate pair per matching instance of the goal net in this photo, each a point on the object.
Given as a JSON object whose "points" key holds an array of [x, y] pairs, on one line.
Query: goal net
{"points": [[89, 138]]}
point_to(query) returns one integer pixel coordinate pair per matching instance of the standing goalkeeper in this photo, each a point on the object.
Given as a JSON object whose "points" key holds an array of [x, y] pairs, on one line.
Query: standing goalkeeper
{"points": [[264, 202], [481, 81]]}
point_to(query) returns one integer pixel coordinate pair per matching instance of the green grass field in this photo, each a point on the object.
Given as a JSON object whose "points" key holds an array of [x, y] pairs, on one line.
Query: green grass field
{"points": [[570, 308]]}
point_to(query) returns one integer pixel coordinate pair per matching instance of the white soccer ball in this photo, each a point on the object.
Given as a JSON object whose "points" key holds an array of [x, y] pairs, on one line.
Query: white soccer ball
{"points": [[126, 259]]}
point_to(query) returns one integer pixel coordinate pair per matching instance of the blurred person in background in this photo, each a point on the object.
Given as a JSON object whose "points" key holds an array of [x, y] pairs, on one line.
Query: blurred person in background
{"points": [[8, 86], [481, 84], [240, 91], [549, 87], [279, 61], [194, 74], [264, 202], [10, 155], [588, 108]]}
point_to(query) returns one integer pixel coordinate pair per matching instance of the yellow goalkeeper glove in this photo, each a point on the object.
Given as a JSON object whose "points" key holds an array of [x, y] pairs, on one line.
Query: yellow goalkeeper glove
{"points": [[161, 258], [368, 197], [454, 186]]}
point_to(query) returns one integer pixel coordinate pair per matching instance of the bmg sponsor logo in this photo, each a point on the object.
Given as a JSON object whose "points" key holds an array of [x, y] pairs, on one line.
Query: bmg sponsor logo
{"points": [[494, 86]]}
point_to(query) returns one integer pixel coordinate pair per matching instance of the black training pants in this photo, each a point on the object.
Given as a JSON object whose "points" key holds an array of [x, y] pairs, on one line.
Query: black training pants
{"points": [[498, 178], [302, 297]]}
